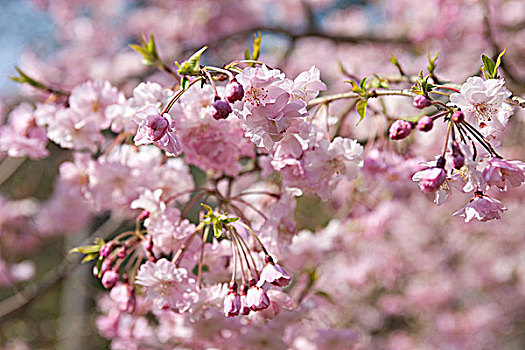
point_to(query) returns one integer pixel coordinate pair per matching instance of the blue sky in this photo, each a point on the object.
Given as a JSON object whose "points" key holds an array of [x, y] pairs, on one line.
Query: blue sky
{"points": [[21, 24]]}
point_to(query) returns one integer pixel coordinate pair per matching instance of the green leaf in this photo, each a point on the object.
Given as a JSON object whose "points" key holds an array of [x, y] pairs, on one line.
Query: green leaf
{"points": [[89, 257], [498, 62], [360, 107], [363, 84], [488, 66], [343, 69], [432, 62], [24, 78], [355, 87], [257, 43], [192, 65], [324, 295], [396, 63], [379, 82], [207, 207], [422, 86], [195, 269], [217, 229], [394, 60], [228, 220], [99, 267], [86, 249], [184, 81], [148, 50], [99, 241]]}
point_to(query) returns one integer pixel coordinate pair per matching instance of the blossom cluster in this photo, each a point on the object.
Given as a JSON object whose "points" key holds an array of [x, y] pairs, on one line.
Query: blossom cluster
{"points": [[247, 209]]}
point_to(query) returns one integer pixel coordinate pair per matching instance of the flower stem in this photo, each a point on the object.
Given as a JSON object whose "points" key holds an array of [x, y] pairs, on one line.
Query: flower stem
{"points": [[179, 94]]}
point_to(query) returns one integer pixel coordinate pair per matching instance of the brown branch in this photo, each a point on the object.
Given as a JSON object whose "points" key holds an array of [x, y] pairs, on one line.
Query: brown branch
{"points": [[309, 33], [32, 292]]}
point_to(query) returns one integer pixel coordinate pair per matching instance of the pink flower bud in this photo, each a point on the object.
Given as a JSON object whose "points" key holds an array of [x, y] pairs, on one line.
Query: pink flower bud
{"points": [[431, 179], [95, 271], [109, 279], [421, 102], [144, 215], [458, 159], [234, 91], [106, 265], [232, 303], [220, 109], [400, 129], [121, 252], [274, 274], [482, 208], [458, 117], [106, 249], [256, 298], [425, 123], [245, 309]]}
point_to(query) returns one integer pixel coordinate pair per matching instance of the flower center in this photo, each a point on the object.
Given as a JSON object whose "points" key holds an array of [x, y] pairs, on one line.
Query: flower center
{"points": [[256, 95]]}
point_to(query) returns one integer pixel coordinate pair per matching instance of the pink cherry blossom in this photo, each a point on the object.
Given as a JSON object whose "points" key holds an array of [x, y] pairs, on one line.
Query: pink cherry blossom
{"points": [[329, 162], [266, 124], [71, 128], [92, 97], [232, 304], [503, 173], [483, 102], [481, 207], [23, 136], [305, 86], [216, 145], [165, 284], [430, 179], [261, 85], [165, 224], [274, 274], [157, 129], [257, 299], [234, 91]]}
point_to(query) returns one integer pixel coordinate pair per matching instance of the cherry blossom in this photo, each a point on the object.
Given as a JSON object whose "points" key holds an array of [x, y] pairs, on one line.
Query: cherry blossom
{"points": [[483, 102], [23, 136], [166, 285], [267, 124], [503, 173], [157, 129], [481, 207]]}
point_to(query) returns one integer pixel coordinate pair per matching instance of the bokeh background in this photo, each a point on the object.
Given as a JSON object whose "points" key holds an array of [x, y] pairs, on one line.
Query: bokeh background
{"points": [[406, 274]]}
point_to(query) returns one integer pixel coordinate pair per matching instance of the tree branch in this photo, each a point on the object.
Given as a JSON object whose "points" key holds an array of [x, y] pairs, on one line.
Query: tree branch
{"points": [[32, 292]]}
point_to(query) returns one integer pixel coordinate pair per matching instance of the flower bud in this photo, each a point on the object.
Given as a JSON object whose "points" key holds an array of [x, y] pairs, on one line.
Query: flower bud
{"points": [[220, 109], [109, 279], [256, 298], [458, 159], [400, 129], [458, 117], [106, 249], [232, 302], [144, 215], [245, 309], [421, 102], [274, 274], [106, 265], [425, 123], [234, 91], [121, 252], [95, 270], [431, 179]]}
